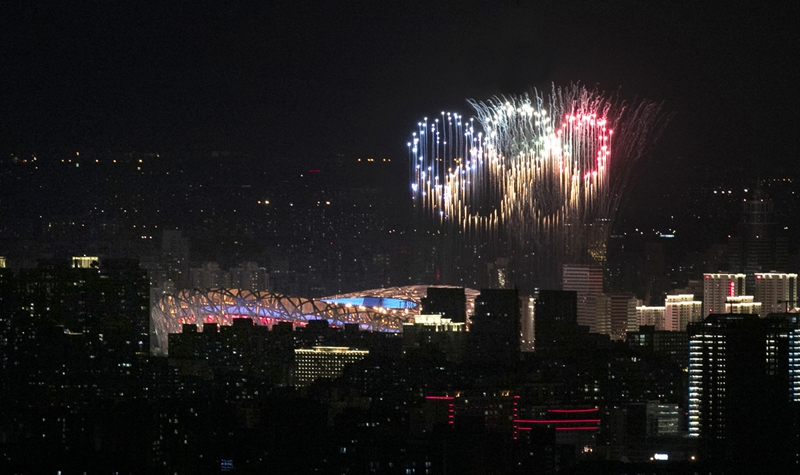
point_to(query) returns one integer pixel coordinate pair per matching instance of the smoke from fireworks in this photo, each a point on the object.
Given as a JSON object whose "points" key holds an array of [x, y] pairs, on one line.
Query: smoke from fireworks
{"points": [[536, 178]]}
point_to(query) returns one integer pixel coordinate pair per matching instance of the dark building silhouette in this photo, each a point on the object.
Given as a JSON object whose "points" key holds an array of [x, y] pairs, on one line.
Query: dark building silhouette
{"points": [[446, 301], [108, 301], [759, 246], [555, 319], [495, 330], [744, 389], [433, 332], [671, 345]]}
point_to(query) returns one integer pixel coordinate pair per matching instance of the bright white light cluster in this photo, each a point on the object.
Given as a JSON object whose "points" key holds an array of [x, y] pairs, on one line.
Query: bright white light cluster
{"points": [[544, 176]]}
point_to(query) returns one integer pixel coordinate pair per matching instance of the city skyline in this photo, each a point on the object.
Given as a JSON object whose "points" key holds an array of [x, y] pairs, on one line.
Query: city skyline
{"points": [[212, 259]]}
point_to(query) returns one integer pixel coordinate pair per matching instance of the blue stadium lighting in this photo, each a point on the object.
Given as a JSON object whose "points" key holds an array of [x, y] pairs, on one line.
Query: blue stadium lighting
{"points": [[378, 302]]}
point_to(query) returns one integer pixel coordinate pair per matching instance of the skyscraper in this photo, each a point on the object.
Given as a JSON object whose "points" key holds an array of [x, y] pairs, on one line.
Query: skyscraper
{"points": [[495, 330], [555, 319], [615, 314], [586, 281], [776, 291], [718, 287], [435, 331], [449, 302], [758, 248], [744, 386], [680, 310], [623, 315], [528, 323]]}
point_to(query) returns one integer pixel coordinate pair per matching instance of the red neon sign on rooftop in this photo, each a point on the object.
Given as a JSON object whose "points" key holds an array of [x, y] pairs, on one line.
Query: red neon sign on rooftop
{"points": [[556, 421]]}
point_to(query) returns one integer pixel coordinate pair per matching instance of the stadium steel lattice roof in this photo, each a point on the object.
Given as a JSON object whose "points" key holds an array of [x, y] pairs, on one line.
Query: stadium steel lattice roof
{"points": [[382, 310]]}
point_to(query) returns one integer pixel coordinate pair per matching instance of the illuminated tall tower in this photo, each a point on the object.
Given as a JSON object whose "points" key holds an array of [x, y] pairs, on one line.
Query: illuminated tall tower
{"points": [[718, 287], [528, 323], [587, 282], [776, 291], [744, 387]]}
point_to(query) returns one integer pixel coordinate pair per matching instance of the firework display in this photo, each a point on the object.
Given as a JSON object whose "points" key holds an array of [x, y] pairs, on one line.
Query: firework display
{"points": [[537, 178]]}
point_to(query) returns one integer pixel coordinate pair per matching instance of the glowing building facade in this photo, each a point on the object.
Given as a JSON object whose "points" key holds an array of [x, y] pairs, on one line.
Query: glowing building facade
{"points": [[718, 287], [650, 316], [742, 304], [528, 323], [680, 310], [776, 291], [85, 262]]}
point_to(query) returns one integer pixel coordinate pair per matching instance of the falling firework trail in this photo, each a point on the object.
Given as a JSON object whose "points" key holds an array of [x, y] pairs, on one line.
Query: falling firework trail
{"points": [[541, 184]]}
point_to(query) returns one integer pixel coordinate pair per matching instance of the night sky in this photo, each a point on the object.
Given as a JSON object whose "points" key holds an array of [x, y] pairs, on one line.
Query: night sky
{"points": [[294, 80]]}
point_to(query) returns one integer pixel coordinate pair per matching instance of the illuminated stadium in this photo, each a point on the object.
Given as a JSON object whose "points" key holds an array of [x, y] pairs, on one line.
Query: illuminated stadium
{"points": [[382, 310]]}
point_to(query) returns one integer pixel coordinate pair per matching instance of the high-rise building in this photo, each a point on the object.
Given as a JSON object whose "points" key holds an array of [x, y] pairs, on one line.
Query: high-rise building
{"points": [[208, 276], [614, 314], [323, 362], [664, 419], [680, 310], [586, 281], [109, 299], [175, 258], [758, 248], [528, 323], [650, 316], [742, 304], [601, 303], [449, 302], [248, 275], [437, 332], [499, 275], [744, 387], [623, 315], [668, 344], [85, 262], [718, 287], [495, 329], [555, 319], [776, 291]]}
